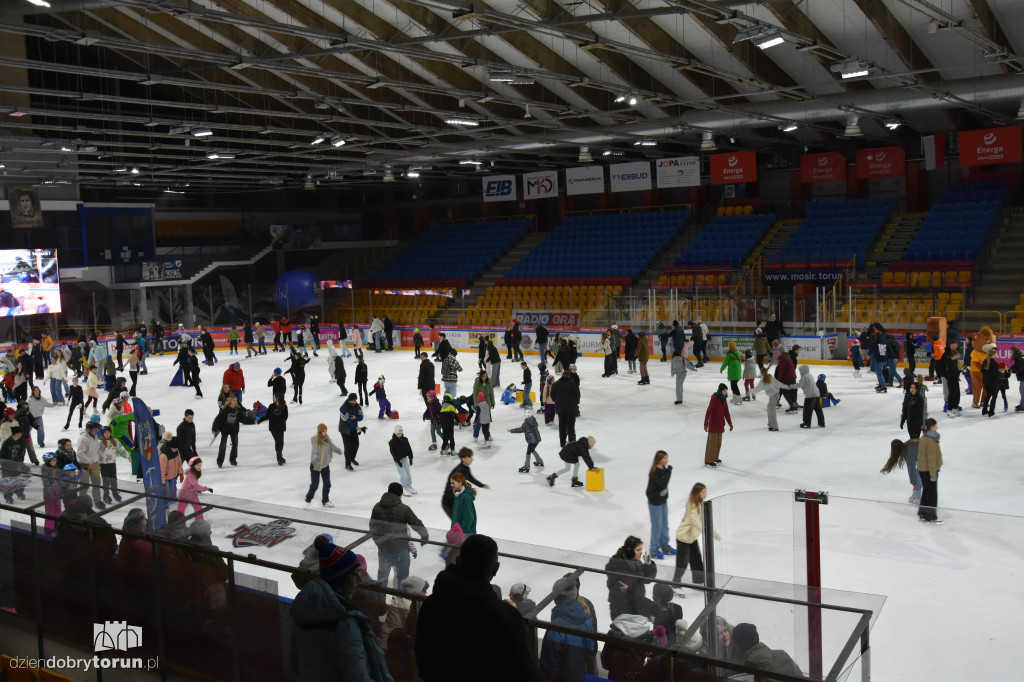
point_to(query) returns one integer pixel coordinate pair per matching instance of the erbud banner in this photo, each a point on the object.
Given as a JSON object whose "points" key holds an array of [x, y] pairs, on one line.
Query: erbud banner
{"points": [[628, 177], [499, 187], [540, 185], [993, 145], [827, 167], [727, 169], [881, 162], [585, 180], [682, 171]]}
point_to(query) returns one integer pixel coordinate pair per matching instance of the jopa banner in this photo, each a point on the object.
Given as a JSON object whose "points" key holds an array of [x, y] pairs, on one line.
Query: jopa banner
{"points": [[540, 185], [499, 187], [683, 171], [994, 145], [585, 180], [727, 169], [881, 162], [827, 167], [627, 177]]}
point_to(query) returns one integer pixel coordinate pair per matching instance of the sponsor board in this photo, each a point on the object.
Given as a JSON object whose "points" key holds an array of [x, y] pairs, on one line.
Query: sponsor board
{"points": [[801, 276], [992, 145], [540, 185], [499, 187], [628, 177], [810, 346], [733, 167], [881, 162], [584, 180], [827, 167], [559, 318], [262, 534], [682, 171]]}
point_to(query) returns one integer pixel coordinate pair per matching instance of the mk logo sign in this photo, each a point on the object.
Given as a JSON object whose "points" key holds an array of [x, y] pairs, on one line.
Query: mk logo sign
{"points": [[116, 635]]}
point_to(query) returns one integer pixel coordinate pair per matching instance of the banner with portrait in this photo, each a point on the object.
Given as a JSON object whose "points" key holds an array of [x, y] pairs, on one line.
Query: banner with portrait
{"points": [[26, 211]]}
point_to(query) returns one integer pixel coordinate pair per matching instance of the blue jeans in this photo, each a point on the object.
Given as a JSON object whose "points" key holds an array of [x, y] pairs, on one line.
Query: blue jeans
{"points": [[56, 390], [449, 388], [631, 364], [170, 490], [1020, 387], [542, 347], [238, 394], [40, 434], [404, 474], [660, 540], [261, 343], [142, 361], [388, 560], [878, 367], [910, 457], [314, 483], [377, 337], [526, 393], [476, 430]]}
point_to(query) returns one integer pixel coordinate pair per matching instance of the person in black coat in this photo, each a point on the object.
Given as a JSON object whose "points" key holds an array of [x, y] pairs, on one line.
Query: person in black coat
{"points": [[298, 372], [119, 350], [571, 454], [448, 497], [629, 571], [566, 394], [657, 503], [389, 328], [679, 335], [948, 368], [913, 410], [443, 350], [226, 426], [186, 433], [277, 384], [27, 367], [517, 340], [773, 329], [277, 418], [909, 346], [158, 338], [182, 360], [540, 339], [314, 332], [425, 382], [193, 365], [508, 341], [631, 343], [464, 624], [339, 373]]}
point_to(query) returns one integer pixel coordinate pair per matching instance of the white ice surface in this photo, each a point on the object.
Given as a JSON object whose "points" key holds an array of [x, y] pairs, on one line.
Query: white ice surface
{"points": [[953, 592]]}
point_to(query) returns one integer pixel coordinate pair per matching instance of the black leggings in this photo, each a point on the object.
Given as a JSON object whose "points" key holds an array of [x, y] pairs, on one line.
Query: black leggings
{"points": [[297, 381], [688, 554], [71, 412], [364, 397], [735, 385], [278, 441]]}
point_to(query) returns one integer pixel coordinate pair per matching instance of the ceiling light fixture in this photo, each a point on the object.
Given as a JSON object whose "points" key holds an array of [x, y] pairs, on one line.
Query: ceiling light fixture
{"points": [[770, 40], [411, 173], [470, 162], [748, 33], [201, 132], [707, 142], [621, 98], [893, 124], [632, 100], [852, 128], [318, 139], [338, 141], [68, 147], [646, 142], [220, 155], [789, 127], [462, 122], [121, 169], [851, 68], [178, 130], [135, 171], [388, 176], [40, 3], [585, 156]]}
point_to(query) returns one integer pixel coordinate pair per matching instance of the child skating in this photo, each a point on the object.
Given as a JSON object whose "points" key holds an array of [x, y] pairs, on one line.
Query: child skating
{"points": [[571, 454], [772, 389], [449, 415], [361, 378], [749, 374], [531, 432], [856, 357], [190, 489], [382, 398], [483, 419]]}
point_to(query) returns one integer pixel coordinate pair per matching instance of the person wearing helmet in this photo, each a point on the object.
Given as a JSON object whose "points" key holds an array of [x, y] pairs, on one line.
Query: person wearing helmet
{"points": [[382, 398]]}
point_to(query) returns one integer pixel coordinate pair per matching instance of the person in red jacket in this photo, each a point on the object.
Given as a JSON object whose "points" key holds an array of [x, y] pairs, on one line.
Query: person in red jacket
{"points": [[235, 378], [785, 372], [714, 424], [275, 324], [286, 331]]}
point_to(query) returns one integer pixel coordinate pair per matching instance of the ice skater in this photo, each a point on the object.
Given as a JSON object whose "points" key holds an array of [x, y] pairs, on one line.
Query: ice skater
{"points": [[571, 454], [362, 372], [298, 372], [447, 418], [812, 400], [531, 432], [715, 419], [856, 357], [483, 419], [680, 367], [749, 374], [382, 398], [905, 453], [824, 392], [190, 489]]}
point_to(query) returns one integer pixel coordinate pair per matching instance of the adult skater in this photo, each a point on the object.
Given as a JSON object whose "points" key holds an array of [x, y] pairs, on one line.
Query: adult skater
{"points": [[760, 348], [681, 366], [715, 419], [913, 411], [773, 329], [275, 324], [540, 338], [277, 419], [785, 375], [390, 520], [389, 330], [235, 378], [376, 330], [226, 426], [697, 336], [643, 356], [314, 332], [425, 380], [483, 385], [812, 399], [248, 338], [206, 341], [571, 454], [929, 463], [337, 365], [259, 334], [688, 537], [186, 434], [566, 394], [629, 570], [401, 452], [517, 340], [948, 367], [493, 367], [631, 343], [606, 350], [905, 453], [463, 468], [193, 365], [277, 384], [362, 378], [443, 349], [772, 388], [321, 452], [298, 371], [657, 504], [75, 395], [348, 426]]}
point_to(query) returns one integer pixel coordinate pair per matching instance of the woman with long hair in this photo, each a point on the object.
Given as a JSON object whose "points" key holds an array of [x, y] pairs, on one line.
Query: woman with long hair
{"points": [[464, 510], [905, 453], [714, 425], [657, 504], [277, 418], [629, 570], [688, 536]]}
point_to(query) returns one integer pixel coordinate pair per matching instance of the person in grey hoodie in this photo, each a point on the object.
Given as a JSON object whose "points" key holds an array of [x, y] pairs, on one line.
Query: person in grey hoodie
{"points": [[37, 404], [812, 400], [772, 388], [331, 638], [681, 366], [322, 450], [483, 420], [96, 354], [531, 432], [88, 451]]}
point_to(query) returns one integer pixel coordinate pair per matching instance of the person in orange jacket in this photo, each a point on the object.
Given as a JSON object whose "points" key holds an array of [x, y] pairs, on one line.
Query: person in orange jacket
{"points": [[235, 378]]}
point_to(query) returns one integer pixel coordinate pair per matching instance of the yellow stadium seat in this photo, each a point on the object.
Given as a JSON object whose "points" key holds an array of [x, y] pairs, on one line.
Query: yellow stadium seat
{"points": [[720, 212], [887, 277], [748, 209], [730, 210]]}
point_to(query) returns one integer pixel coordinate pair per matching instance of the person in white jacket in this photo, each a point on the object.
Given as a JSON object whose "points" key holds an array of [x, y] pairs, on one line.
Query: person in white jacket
{"points": [[772, 388], [96, 354], [688, 536], [376, 330], [88, 451], [812, 400], [57, 373], [37, 404]]}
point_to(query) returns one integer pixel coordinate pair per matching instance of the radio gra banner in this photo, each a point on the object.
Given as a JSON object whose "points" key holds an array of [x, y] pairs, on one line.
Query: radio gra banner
{"points": [[556, 318], [993, 145], [683, 171], [733, 167], [628, 177], [827, 167], [499, 188], [881, 162], [540, 185], [585, 180]]}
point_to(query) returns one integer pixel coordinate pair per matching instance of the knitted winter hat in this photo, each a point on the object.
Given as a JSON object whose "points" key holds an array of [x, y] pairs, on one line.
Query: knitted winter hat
{"points": [[277, 370], [455, 536], [565, 588], [398, 429], [431, 394], [396, 489], [691, 645], [167, 436], [744, 636], [415, 585], [718, 393], [199, 528], [335, 562]]}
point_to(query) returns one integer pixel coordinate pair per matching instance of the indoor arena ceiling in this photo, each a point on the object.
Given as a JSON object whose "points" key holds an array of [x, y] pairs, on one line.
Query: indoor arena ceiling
{"points": [[232, 94]]}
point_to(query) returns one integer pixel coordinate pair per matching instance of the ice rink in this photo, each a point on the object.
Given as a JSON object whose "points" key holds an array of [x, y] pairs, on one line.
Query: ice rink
{"points": [[953, 595]]}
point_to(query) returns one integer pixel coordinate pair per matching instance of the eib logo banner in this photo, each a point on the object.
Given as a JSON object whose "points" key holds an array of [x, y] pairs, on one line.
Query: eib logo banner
{"points": [[499, 188]]}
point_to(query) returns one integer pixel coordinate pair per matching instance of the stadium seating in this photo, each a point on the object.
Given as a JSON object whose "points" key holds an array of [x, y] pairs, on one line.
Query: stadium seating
{"points": [[897, 309], [727, 240], [956, 227], [495, 307], [834, 232], [453, 252], [402, 309], [606, 245]]}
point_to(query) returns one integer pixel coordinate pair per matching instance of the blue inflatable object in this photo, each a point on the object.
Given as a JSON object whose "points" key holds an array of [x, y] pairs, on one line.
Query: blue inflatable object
{"points": [[295, 289]]}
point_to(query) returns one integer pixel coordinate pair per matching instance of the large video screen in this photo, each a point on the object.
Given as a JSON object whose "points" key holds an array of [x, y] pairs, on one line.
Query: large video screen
{"points": [[29, 282]]}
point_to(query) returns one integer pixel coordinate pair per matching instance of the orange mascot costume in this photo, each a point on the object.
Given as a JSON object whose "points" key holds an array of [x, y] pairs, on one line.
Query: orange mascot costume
{"points": [[982, 338]]}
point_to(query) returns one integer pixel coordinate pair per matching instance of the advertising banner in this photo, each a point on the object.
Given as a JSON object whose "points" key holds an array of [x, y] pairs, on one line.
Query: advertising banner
{"points": [[627, 177], [584, 180], [801, 276], [981, 147], [540, 185], [682, 171], [881, 162], [172, 269], [811, 347], [147, 442], [732, 167], [26, 211], [827, 167], [499, 187], [557, 318]]}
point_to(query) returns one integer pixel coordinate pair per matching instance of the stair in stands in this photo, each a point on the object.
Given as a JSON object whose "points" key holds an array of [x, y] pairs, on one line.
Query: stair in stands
{"points": [[773, 241], [998, 285], [892, 242], [667, 256]]}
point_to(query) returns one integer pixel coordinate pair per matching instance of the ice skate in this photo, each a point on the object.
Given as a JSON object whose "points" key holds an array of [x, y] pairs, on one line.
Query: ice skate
{"points": [[328, 503], [409, 490], [551, 480], [576, 483], [433, 446], [524, 470]]}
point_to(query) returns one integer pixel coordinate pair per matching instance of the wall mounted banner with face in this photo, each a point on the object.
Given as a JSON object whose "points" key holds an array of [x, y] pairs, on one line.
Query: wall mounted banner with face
{"points": [[585, 180], [540, 185], [26, 211], [628, 177], [682, 171]]}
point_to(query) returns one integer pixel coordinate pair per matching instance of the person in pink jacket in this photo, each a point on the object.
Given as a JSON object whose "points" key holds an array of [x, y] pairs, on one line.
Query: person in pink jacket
{"points": [[170, 465], [357, 338], [190, 489]]}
